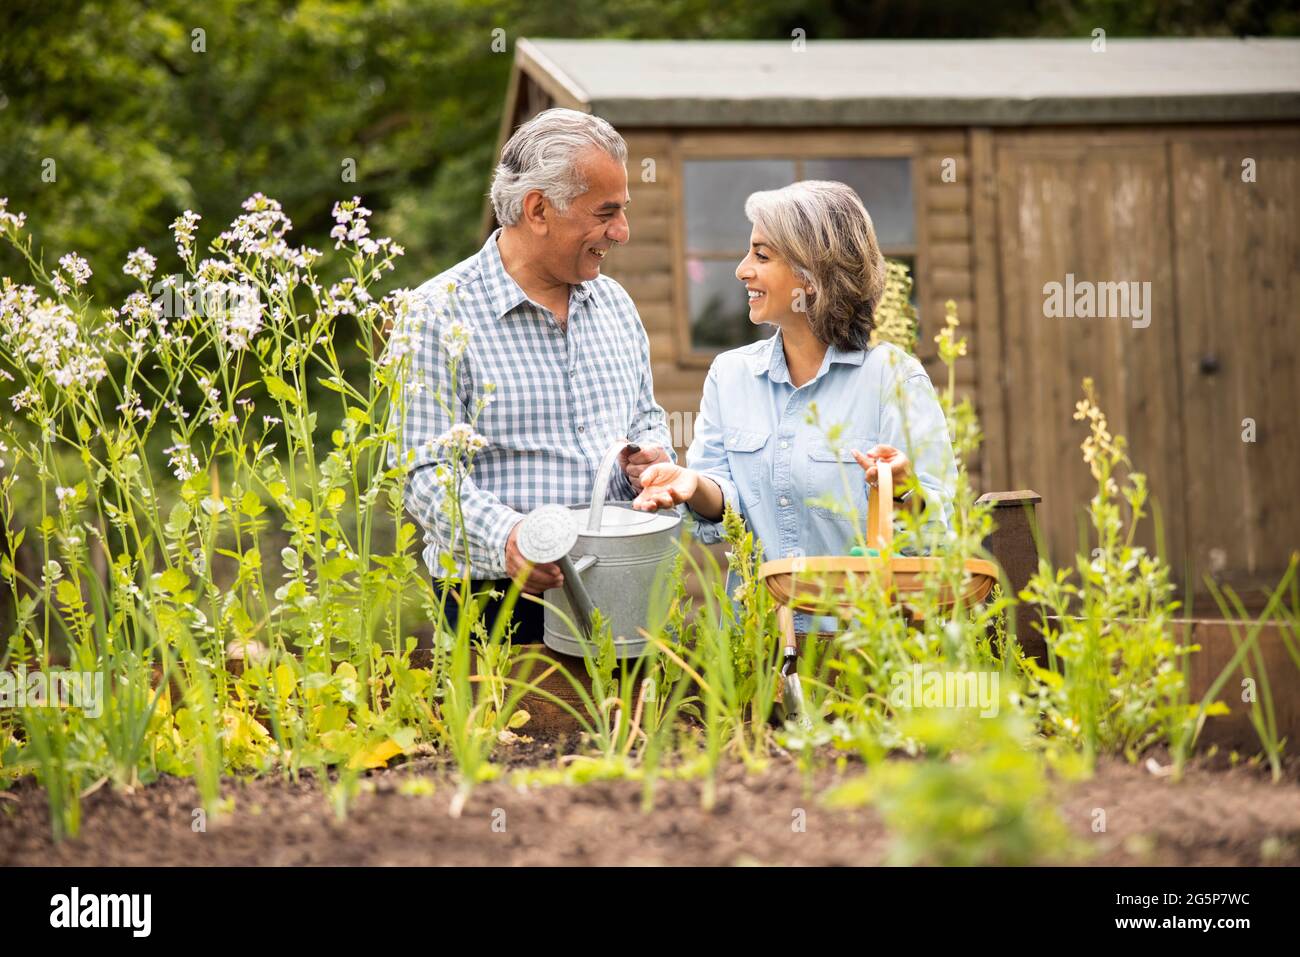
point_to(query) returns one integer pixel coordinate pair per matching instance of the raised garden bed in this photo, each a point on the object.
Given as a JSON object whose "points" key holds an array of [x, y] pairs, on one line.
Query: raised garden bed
{"points": [[1216, 815]]}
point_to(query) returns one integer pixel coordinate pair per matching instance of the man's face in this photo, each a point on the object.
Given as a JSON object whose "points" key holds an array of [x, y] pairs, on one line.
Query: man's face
{"points": [[579, 238]]}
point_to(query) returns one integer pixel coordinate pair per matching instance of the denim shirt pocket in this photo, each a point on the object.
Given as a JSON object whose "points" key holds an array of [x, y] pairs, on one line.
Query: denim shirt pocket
{"points": [[748, 463], [829, 473]]}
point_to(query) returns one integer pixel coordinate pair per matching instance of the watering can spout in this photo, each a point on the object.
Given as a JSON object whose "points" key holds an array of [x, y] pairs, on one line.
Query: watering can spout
{"points": [[548, 534]]}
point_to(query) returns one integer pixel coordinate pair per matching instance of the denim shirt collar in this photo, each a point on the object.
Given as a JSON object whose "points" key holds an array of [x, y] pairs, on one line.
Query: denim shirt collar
{"points": [[504, 293], [769, 360]]}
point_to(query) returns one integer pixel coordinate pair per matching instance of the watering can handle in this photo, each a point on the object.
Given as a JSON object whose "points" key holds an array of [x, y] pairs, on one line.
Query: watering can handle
{"points": [[601, 486], [880, 509]]}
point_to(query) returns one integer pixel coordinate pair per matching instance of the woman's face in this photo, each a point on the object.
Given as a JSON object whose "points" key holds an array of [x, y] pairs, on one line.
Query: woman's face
{"points": [[770, 283]]}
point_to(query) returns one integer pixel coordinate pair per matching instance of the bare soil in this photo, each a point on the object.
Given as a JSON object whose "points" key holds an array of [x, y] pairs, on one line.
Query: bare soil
{"points": [[1215, 816]]}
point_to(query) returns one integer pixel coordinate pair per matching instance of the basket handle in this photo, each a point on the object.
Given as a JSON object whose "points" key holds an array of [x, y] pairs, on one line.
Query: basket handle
{"points": [[880, 509]]}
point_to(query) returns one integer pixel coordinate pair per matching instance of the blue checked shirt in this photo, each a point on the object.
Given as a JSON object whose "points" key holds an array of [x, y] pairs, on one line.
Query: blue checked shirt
{"points": [[561, 399]]}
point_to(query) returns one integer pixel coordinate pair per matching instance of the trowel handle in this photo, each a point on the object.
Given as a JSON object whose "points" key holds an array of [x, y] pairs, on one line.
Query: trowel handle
{"points": [[880, 509]]}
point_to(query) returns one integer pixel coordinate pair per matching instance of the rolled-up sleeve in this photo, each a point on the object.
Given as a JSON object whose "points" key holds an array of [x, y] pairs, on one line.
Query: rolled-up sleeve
{"points": [[708, 456], [911, 419]]}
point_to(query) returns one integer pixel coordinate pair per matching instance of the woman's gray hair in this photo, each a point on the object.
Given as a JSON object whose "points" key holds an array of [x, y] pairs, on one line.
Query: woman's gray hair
{"points": [[543, 154], [822, 230]]}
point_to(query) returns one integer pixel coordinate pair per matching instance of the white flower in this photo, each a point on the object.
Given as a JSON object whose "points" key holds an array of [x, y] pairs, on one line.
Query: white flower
{"points": [[51, 573], [63, 493], [463, 437], [183, 228], [183, 462], [350, 217], [8, 219], [442, 478], [50, 338], [260, 232], [237, 309], [455, 339], [78, 269], [140, 264]]}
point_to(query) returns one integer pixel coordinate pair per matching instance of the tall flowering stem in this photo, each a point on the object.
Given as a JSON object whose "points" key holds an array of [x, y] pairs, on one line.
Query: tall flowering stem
{"points": [[195, 476]]}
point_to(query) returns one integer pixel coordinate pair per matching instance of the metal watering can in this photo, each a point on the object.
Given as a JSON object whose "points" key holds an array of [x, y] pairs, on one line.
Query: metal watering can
{"points": [[610, 556]]}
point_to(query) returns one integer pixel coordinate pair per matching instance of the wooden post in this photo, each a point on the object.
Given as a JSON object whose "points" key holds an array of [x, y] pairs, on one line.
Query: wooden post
{"points": [[1013, 545]]}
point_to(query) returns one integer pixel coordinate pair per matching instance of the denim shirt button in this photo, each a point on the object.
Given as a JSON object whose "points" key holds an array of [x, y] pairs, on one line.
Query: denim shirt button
{"points": [[784, 500]]}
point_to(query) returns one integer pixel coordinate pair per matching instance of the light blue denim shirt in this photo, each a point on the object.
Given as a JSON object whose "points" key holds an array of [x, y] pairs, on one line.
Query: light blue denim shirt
{"points": [[753, 439]]}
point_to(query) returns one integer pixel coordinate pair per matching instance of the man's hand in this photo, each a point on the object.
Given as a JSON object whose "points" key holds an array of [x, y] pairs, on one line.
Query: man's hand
{"points": [[634, 464], [666, 485], [537, 578], [878, 455]]}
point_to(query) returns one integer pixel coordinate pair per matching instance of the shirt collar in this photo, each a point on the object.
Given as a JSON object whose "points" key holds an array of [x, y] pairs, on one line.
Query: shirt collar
{"points": [[504, 292], [770, 359]]}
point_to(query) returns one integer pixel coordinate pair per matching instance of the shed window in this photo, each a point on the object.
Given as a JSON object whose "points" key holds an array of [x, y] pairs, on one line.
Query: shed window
{"points": [[717, 232]]}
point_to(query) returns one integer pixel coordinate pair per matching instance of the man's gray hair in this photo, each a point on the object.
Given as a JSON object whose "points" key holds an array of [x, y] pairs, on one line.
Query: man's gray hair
{"points": [[543, 154]]}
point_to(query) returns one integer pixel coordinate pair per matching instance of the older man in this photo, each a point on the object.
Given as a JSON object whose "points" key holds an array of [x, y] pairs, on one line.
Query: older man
{"points": [[562, 345]]}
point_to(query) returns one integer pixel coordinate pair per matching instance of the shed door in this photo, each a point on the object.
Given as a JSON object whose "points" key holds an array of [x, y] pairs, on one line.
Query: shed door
{"points": [[1073, 212], [1237, 247], [1216, 344]]}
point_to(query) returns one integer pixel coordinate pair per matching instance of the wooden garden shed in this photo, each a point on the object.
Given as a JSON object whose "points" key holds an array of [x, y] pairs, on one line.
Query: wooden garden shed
{"points": [[1164, 169]]}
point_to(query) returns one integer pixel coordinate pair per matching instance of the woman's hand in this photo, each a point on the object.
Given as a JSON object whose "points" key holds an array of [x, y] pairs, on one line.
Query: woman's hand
{"points": [[878, 455], [664, 485]]}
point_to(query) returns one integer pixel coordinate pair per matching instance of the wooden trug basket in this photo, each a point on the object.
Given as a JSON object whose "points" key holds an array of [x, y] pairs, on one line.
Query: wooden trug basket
{"points": [[805, 583]]}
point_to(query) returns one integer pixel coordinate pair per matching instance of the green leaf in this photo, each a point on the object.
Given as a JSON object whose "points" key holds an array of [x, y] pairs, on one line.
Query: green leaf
{"points": [[179, 519], [251, 505], [405, 737], [281, 390], [68, 594], [173, 580], [405, 534], [335, 568]]}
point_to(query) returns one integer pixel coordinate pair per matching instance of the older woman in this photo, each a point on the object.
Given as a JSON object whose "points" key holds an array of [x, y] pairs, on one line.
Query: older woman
{"points": [[814, 271]]}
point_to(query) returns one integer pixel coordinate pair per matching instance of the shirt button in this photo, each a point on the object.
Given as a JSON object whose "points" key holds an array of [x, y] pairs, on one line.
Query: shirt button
{"points": [[784, 500], [785, 445], [582, 428]]}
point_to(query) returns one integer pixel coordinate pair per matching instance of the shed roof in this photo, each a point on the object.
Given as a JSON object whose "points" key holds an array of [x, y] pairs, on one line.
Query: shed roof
{"points": [[918, 82]]}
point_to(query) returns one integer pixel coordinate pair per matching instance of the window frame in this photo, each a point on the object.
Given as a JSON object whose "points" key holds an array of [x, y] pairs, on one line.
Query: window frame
{"points": [[757, 145]]}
